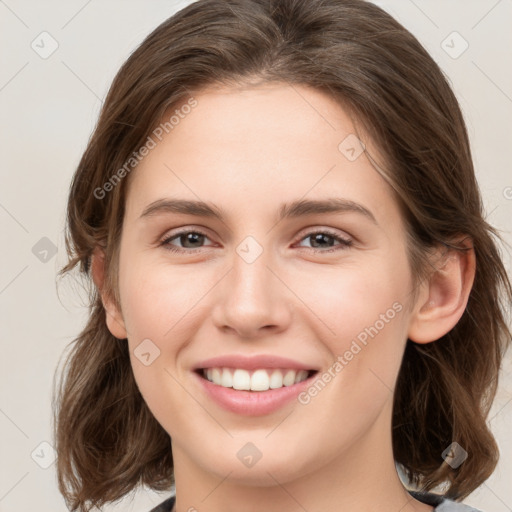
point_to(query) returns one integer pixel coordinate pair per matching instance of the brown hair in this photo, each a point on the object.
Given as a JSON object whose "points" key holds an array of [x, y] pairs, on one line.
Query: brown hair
{"points": [[107, 440]]}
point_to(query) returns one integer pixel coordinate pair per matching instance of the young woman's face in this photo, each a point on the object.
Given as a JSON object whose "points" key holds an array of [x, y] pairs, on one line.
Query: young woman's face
{"points": [[268, 270]]}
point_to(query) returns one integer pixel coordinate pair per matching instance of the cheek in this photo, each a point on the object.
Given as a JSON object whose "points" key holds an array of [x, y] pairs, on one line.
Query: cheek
{"points": [[157, 298], [158, 314], [363, 321], [369, 321], [162, 306], [353, 297]]}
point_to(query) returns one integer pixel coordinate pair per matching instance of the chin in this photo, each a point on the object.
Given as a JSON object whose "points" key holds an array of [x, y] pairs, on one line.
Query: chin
{"points": [[263, 472]]}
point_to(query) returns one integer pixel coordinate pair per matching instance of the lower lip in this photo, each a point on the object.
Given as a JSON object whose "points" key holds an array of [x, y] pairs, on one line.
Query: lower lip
{"points": [[253, 403]]}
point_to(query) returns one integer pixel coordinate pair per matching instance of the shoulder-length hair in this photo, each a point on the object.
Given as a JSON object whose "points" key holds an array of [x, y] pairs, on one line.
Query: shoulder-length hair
{"points": [[107, 440]]}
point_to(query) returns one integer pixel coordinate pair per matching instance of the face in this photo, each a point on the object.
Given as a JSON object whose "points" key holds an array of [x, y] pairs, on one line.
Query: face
{"points": [[295, 261]]}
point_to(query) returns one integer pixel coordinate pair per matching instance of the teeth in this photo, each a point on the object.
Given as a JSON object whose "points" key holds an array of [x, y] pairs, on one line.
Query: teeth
{"points": [[289, 378], [216, 374], [226, 379], [276, 380], [259, 380], [241, 380]]}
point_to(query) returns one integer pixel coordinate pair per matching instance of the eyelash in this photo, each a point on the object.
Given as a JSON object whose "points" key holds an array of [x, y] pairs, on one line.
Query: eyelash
{"points": [[344, 243]]}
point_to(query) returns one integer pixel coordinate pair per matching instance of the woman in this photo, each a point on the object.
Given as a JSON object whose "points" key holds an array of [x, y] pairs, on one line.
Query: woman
{"points": [[228, 350]]}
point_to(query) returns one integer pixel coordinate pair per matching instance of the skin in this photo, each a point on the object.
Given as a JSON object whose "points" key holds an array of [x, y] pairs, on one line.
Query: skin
{"points": [[247, 151]]}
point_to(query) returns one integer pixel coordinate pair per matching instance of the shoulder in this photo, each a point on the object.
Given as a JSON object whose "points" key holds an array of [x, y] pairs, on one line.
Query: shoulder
{"points": [[165, 506], [441, 503], [453, 506]]}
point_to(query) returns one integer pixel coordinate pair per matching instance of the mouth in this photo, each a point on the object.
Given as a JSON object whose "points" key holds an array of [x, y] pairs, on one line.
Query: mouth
{"points": [[257, 380]]}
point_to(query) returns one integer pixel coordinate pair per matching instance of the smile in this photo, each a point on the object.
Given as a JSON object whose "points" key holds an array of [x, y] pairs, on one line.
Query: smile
{"points": [[253, 392], [255, 380]]}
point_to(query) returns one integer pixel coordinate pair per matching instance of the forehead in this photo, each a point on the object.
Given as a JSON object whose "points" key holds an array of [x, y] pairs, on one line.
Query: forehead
{"points": [[282, 112], [258, 143]]}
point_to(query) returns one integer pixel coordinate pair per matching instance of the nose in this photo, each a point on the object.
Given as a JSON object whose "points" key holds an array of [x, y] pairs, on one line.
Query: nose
{"points": [[252, 300]]}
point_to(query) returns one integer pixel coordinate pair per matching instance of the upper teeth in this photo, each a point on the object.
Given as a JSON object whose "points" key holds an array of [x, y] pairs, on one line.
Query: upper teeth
{"points": [[260, 380]]}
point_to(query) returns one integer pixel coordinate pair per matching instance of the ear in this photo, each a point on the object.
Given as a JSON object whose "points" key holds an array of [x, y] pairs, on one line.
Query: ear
{"points": [[444, 296], [114, 317]]}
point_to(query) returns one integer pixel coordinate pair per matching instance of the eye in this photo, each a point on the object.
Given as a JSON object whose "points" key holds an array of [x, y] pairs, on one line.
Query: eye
{"points": [[191, 241], [322, 239]]}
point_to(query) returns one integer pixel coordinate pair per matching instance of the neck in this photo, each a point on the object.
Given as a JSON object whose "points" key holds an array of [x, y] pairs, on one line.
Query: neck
{"points": [[363, 477]]}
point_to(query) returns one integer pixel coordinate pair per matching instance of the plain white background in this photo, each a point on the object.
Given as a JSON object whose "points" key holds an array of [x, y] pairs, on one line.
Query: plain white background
{"points": [[48, 109]]}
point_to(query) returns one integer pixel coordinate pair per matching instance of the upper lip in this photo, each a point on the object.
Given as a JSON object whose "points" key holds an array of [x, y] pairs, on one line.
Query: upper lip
{"points": [[252, 362]]}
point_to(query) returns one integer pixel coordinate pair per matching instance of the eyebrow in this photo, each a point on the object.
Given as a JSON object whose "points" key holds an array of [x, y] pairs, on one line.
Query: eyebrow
{"points": [[294, 209]]}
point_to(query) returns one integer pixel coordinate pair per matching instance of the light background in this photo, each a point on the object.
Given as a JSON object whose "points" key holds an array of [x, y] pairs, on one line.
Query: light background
{"points": [[48, 110]]}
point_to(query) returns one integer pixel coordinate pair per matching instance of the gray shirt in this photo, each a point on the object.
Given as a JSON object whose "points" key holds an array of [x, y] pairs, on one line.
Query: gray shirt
{"points": [[441, 503]]}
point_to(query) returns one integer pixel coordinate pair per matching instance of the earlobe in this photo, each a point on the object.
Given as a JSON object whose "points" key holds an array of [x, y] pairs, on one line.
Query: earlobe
{"points": [[114, 318], [444, 297]]}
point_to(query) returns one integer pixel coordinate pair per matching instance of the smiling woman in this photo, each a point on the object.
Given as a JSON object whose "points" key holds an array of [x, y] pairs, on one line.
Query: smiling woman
{"points": [[295, 290]]}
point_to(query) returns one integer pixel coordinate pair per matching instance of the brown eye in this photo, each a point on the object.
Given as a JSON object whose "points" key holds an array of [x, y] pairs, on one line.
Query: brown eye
{"points": [[325, 241], [189, 241]]}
